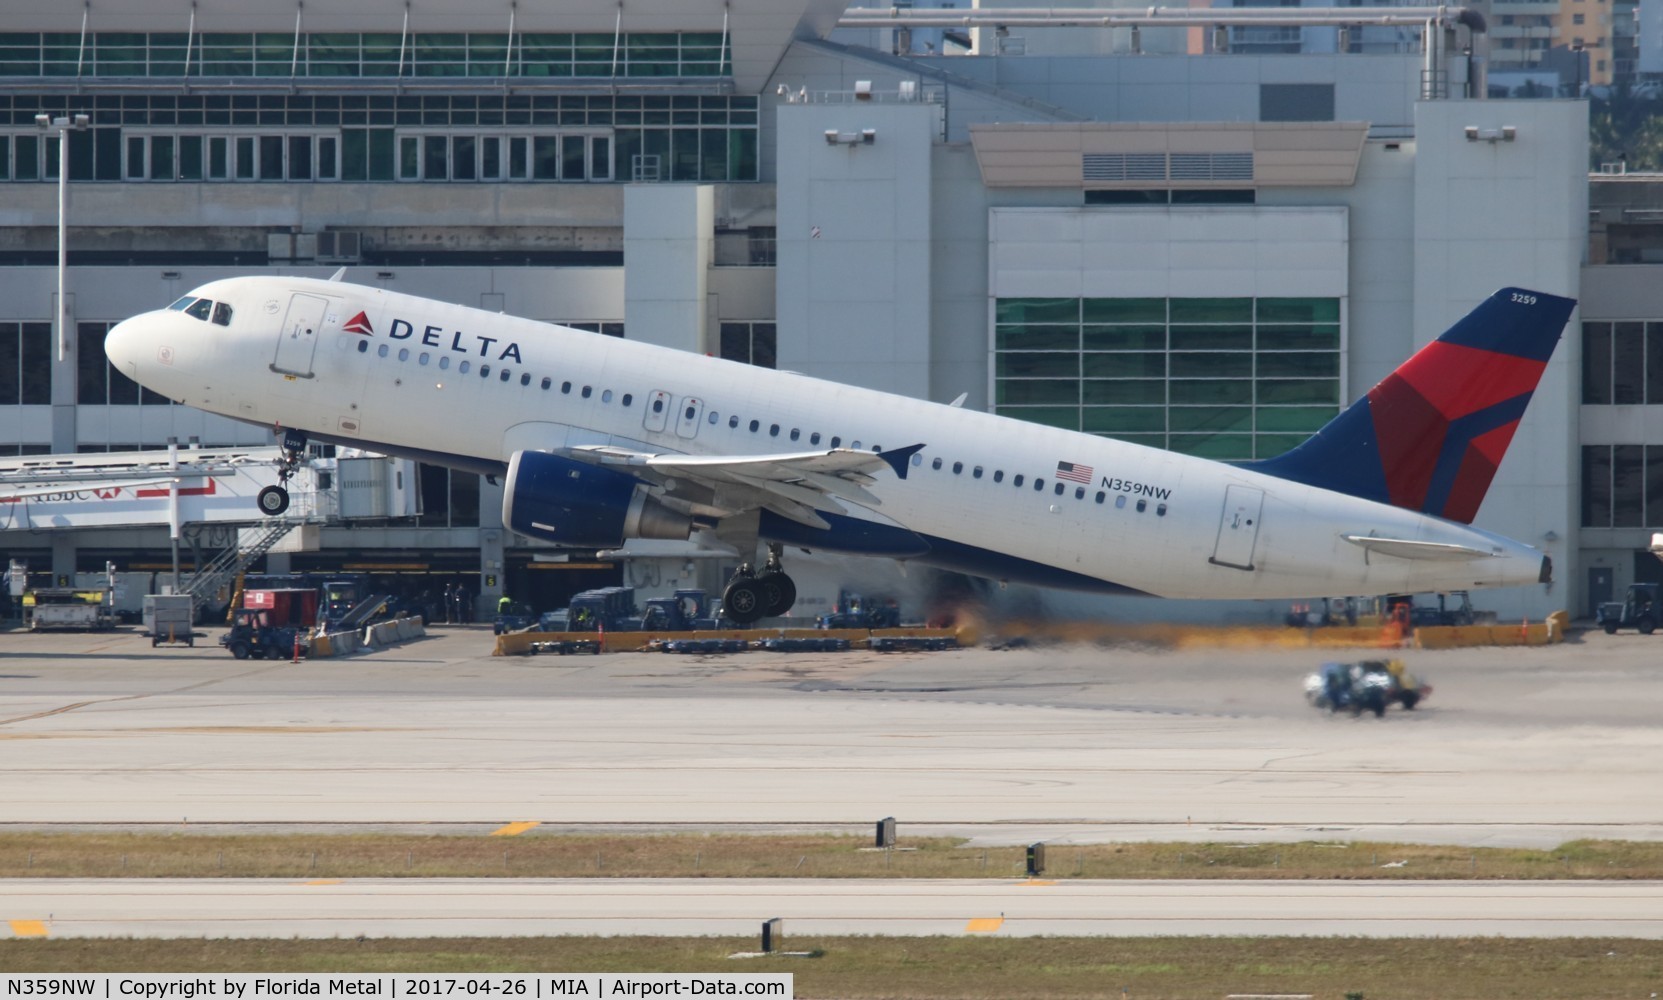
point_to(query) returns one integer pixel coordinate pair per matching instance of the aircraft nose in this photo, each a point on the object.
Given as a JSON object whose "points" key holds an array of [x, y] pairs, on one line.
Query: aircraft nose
{"points": [[123, 345]]}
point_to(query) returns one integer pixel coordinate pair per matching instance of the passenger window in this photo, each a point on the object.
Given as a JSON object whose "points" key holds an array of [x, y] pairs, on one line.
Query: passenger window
{"points": [[976, 473], [877, 449], [566, 387], [814, 438], [404, 354], [422, 360], [444, 363], [658, 406], [958, 467], [1143, 505], [935, 463], [1039, 486], [711, 420], [628, 399], [917, 459], [1079, 492], [1160, 510], [525, 378], [200, 308], [755, 424], [462, 369], [1101, 496], [1059, 489], [606, 396], [363, 347], [1120, 503], [587, 391], [222, 314], [381, 351], [1017, 481], [773, 430], [855, 445], [506, 375], [998, 475], [547, 382], [733, 423], [836, 442], [795, 433], [484, 371], [689, 413]]}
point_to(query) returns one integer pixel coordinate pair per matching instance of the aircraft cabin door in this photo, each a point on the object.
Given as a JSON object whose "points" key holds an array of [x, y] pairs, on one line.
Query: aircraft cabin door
{"points": [[657, 410], [299, 336], [1238, 529], [687, 416]]}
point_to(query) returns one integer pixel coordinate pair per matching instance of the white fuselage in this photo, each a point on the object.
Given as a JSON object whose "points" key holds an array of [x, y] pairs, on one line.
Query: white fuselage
{"points": [[1167, 524]]}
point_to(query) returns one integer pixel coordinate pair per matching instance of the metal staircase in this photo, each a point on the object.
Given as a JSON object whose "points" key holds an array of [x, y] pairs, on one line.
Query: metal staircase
{"points": [[235, 558]]}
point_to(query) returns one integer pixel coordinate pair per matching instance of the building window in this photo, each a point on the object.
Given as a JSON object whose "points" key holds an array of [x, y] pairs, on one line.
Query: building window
{"points": [[608, 329], [1622, 486], [753, 343], [1231, 379], [1622, 363], [26, 364], [450, 499]]}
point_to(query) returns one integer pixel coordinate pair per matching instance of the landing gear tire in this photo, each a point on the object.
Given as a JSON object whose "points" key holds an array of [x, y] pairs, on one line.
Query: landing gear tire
{"points": [[778, 594], [744, 600], [273, 500]]}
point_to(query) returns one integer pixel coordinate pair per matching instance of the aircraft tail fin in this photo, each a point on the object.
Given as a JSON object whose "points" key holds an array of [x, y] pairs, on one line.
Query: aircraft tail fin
{"points": [[1431, 435]]}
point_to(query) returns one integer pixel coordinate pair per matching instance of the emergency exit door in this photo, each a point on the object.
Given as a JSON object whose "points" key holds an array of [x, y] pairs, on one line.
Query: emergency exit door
{"points": [[298, 339], [1238, 529]]}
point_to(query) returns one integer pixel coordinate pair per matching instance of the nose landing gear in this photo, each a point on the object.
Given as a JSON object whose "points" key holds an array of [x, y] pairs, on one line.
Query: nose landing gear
{"points": [[751, 596], [274, 500]]}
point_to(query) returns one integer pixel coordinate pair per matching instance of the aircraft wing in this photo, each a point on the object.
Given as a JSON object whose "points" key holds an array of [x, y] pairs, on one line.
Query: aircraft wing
{"points": [[1405, 548], [792, 484]]}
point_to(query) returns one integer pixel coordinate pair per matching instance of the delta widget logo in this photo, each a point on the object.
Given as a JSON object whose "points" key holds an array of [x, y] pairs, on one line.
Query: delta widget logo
{"points": [[359, 324]]}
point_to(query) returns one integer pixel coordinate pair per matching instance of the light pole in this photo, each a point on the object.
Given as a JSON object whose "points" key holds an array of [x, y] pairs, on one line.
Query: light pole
{"points": [[63, 126]]}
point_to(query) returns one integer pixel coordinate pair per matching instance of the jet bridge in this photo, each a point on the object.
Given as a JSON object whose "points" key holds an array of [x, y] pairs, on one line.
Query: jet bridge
{"points": [[150, 488]]}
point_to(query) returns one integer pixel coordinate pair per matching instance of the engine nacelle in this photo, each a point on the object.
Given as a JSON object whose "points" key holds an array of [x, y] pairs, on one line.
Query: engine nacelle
{"points": [[559, 500]]}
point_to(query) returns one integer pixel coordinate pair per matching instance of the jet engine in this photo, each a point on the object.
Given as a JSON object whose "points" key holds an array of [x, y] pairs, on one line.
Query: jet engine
{"points": [[559, 500]]}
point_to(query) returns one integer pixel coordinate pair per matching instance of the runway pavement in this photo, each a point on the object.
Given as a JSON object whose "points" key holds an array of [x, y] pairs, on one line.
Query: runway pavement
{"points": [[1516, 747], [497, 907]]}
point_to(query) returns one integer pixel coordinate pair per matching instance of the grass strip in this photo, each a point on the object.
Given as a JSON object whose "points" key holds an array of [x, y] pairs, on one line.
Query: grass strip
{"points": [[535, 855], [1013, 968]]}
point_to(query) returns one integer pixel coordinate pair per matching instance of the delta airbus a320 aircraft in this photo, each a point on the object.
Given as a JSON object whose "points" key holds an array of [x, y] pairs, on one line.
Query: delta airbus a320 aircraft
{"points": [[600, 439]]}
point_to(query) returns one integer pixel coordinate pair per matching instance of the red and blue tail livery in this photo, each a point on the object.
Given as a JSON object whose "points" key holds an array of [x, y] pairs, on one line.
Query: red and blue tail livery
{"points": [[1431, 435]]}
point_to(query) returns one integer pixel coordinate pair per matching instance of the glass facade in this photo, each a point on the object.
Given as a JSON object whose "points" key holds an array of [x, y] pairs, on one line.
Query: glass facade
{"points": [[1223, 378], [371, 55], [1622, 363], [386, 137], [1622, 486]]}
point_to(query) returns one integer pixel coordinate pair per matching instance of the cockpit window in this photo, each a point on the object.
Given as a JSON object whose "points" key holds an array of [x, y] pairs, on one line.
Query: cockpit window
{"points": [[200, 308], [222, 314], [182, 303]]}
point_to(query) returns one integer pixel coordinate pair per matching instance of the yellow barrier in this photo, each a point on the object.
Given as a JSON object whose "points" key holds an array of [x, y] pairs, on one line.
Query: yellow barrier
{"points": [[1460, 636]]}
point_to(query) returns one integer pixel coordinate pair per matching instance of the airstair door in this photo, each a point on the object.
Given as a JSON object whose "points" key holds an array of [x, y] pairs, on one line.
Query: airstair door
{"points": [[299, 337], [1238, 529], [688, 412]]}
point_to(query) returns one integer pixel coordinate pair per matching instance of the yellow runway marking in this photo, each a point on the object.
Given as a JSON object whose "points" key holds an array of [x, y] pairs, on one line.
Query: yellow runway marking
{"points": [[1039, 881], [984, 925], [29, 928], [514, 829], [324, 881]]}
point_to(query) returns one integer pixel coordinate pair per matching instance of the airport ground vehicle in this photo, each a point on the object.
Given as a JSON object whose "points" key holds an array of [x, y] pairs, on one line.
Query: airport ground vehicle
{"points": [[167, 617], [252, 634], [854, 611], [68, 608], [1639, 610], [514, 618], [1371, 685]]}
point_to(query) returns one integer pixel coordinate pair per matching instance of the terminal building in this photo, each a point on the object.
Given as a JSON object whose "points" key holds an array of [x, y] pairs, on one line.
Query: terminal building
{"points": [[1159, 236]]}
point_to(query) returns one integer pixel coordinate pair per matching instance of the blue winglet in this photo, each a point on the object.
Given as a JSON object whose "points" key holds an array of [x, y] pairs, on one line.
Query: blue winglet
{"points": [[899, 458]]}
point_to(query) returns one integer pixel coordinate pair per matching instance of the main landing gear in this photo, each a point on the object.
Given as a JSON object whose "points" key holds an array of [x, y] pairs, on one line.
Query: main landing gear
{"points": [[274, 500], [751, 596]]}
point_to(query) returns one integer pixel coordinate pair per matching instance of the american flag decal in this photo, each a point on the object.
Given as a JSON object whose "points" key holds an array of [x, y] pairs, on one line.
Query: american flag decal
{"points": [[1074, 473]]}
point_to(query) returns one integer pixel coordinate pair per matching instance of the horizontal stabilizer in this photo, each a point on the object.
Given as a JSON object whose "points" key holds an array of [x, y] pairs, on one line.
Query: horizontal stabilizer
{"points": [[1404, 548]]}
